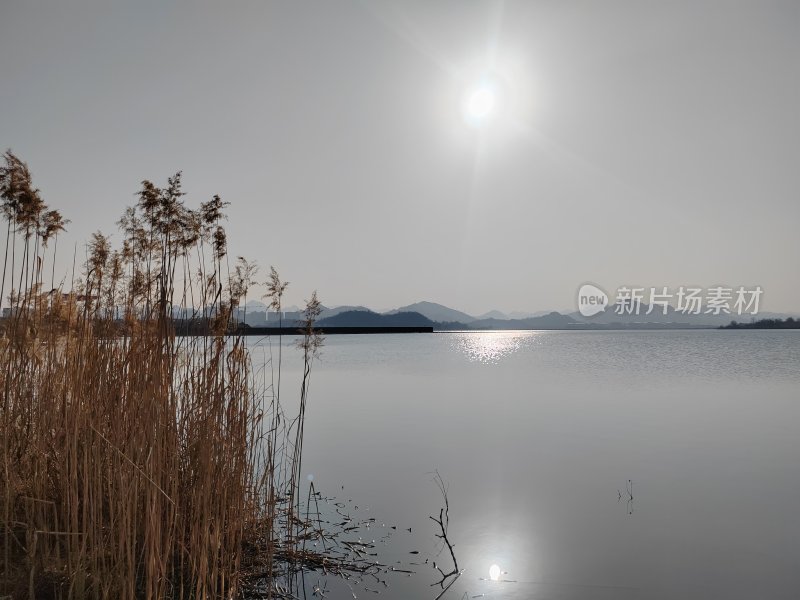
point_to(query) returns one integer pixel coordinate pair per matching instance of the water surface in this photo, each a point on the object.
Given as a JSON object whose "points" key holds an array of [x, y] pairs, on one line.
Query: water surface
{"points": [[537, 435]]}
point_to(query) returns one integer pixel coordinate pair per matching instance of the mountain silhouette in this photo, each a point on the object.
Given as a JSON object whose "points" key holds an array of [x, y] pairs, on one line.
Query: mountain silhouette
{"points": [[494, 314], [367, 318], [431, 314], [332, 312], [552, 320], [435, 312]]}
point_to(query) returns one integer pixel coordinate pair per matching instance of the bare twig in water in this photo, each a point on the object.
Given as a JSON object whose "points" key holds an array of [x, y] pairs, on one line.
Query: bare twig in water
{"points": [[629, 488], [449, 578]]}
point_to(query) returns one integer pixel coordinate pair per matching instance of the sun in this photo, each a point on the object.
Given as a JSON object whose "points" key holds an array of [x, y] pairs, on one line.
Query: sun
{"points": [[480, 103]]}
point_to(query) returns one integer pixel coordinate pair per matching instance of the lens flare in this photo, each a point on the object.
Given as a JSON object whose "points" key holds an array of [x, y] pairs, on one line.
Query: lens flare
{"points": [[480, 103]]}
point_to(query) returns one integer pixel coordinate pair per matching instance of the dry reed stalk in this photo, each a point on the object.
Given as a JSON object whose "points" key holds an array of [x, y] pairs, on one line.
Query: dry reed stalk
{"points": [[137, 463]]}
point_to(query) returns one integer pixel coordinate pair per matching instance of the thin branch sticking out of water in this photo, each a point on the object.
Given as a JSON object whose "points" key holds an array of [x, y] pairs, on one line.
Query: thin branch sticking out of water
{"points": [[449, 578]]}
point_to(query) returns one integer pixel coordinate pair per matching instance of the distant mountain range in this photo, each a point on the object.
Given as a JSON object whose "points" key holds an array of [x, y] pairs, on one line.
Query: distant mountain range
{"points": [[361, 318], [431, 314], [551, 320], [435, 312]]}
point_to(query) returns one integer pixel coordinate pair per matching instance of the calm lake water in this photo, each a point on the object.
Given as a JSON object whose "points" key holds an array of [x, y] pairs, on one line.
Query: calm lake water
{"points": [[537, 434]]}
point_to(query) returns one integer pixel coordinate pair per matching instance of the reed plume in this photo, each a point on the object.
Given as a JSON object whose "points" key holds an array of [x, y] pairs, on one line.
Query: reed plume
{"points": [[138, 462]]}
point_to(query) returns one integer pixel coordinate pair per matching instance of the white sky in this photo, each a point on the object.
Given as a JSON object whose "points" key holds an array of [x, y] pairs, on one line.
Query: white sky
{"points": [[634, 143]]}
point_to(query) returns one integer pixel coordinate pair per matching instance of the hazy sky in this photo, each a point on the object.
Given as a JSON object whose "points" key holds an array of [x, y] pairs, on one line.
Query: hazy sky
{"points": [[633, 143]]}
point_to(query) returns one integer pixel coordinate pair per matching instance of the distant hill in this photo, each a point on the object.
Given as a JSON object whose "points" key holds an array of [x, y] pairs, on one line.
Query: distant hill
{"points": [[367, 318], [551, 320], [332, 312], [435, 312], [492, 314], [788, 323], [518, 314], [256, 305], [443, 318]]}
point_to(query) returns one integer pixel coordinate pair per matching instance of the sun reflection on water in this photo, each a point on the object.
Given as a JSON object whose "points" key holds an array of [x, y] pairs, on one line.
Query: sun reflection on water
{"points": [[490, 347]]}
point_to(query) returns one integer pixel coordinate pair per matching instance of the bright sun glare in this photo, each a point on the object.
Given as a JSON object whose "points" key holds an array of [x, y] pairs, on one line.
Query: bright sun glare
{"points": [[479, 104]]}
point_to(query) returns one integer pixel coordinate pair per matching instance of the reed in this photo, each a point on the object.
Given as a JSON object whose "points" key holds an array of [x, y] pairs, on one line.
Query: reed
{"points": [[137, 463]]}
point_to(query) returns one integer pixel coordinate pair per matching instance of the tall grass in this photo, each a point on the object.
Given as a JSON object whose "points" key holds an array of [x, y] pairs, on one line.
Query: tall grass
{"points": [[137, 463]]}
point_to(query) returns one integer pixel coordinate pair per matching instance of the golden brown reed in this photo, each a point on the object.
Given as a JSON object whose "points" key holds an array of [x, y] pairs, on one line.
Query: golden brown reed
{"points": [[137, 463]]}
